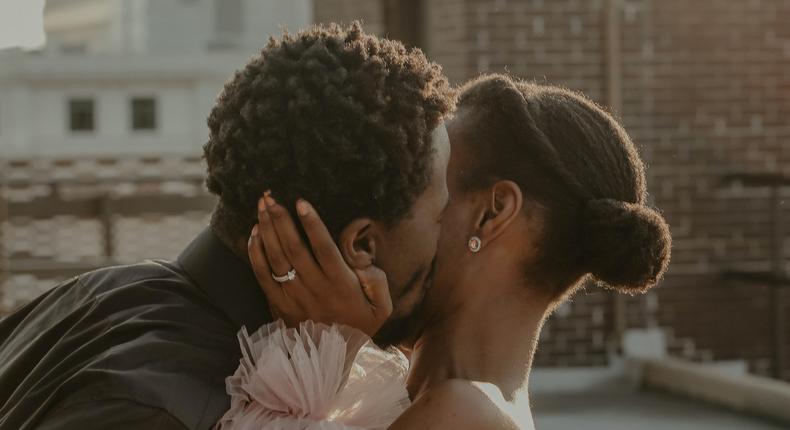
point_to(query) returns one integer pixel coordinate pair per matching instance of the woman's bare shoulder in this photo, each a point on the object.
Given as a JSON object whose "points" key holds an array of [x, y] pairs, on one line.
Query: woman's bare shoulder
{"points": [[463, 405]]}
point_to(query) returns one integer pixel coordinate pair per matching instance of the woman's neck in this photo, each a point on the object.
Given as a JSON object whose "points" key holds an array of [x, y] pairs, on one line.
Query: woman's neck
{"points": [[489, 338]]}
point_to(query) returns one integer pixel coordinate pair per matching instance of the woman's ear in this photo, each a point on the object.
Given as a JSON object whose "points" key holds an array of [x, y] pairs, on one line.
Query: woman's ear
{"points": [[357, 244], [503, 204]]}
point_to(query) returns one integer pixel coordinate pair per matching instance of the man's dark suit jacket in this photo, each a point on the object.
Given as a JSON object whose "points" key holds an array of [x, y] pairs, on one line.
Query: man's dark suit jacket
{"points": [[145, 346]]}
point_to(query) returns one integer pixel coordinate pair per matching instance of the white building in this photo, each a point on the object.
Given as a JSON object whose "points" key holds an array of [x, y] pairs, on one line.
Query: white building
{"points": [[124, 77]]}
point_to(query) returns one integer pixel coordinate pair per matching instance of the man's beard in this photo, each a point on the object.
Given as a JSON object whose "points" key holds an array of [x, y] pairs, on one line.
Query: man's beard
{"points": [[400, 329], [395, 331]]}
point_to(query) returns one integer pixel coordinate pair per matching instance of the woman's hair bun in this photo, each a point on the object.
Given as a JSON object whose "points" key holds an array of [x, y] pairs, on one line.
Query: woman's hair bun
{"points": [[626, 245]]}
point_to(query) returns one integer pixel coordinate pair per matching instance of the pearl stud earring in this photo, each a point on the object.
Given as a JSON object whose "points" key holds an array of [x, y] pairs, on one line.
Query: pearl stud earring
{"points": [[475, 244]]}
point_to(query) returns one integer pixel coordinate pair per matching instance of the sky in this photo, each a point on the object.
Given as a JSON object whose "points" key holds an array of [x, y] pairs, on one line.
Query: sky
{"points": [[22, 24]]}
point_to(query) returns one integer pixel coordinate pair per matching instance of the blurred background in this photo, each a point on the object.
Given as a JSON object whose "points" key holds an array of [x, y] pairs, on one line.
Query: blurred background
{"points": [[102, 118]]}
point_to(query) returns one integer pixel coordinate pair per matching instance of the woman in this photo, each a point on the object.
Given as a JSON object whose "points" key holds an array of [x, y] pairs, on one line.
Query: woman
{"points": [[547, 191]]}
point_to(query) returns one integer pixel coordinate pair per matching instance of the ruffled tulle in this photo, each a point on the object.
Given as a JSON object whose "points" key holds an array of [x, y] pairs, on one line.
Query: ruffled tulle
{"points": [[316, 377]]}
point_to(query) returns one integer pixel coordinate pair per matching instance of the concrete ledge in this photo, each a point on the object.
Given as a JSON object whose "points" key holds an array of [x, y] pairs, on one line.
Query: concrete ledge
{"points": [[744, 393], [572, 380]]}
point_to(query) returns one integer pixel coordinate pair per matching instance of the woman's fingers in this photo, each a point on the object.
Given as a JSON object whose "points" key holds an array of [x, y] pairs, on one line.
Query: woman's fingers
{"points": [[294, 289], [324, 247], [323, 290], [271, 244], [291, 243], [260, 266], [376, 289]]}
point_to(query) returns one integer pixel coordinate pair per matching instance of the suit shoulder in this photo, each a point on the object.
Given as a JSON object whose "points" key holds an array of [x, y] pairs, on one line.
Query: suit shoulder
{"points": [[149, 270], [140, 284]]}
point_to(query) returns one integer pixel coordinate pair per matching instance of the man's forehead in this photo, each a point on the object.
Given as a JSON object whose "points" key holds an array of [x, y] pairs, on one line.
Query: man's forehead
{"points": [[441, 141], [440, 132]]}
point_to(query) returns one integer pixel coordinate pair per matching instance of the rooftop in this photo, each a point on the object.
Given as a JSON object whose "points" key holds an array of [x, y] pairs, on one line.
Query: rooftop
{"points": [[620, 407], [656, 394]]}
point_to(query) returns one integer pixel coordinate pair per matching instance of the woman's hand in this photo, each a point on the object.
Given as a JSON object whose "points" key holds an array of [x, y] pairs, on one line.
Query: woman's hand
{"points": [[325, 289]]}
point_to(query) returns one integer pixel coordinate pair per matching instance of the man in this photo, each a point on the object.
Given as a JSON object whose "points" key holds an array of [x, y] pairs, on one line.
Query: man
{"points": [[349, 121]]}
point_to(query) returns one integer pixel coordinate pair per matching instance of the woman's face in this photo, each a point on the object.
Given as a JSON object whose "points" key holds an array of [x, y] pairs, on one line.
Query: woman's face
{"points": [[407, 251], [458, 224]]}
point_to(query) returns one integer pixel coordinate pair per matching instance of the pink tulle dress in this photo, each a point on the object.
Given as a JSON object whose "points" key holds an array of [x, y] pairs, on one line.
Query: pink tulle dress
{"points": [[315, 377]]}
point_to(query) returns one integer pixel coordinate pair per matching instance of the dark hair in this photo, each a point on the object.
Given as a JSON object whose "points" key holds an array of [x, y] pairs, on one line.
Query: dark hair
{"points": [[578, 164], [333, 115]]}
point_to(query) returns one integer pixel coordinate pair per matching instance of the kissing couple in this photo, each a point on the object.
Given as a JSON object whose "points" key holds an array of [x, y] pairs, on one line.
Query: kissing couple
{"points": [[364, 204]]}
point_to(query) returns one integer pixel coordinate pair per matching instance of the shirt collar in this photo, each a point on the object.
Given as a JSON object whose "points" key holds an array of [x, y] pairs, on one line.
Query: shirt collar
{"points": [[228, 281]]}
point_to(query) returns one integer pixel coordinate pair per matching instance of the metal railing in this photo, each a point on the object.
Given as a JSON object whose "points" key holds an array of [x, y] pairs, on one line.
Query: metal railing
{"points": [[102, 203], [776, 278]]}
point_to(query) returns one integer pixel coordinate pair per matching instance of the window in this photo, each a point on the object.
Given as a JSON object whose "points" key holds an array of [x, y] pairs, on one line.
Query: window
{"points": [[143, 113], [228, 24], [228, 17], [81, 115]]}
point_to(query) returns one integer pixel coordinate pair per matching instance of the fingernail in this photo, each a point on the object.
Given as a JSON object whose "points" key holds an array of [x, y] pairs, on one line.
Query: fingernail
{"points": [[255, 230], [261, 205], [302, 207], [269, 200]]}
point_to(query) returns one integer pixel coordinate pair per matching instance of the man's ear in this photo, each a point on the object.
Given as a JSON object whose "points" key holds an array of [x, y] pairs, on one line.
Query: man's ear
{"points": [[357, 244], [503, 204]]}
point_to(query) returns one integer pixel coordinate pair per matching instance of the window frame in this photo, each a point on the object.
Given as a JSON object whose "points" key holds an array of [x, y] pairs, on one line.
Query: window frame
{"points": [[133, 118], [71, 103]]}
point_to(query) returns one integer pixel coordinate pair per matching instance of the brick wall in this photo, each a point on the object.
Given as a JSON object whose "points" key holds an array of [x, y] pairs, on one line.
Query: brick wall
{"points": [[446, 38], [705, 92], [371, 13]]}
